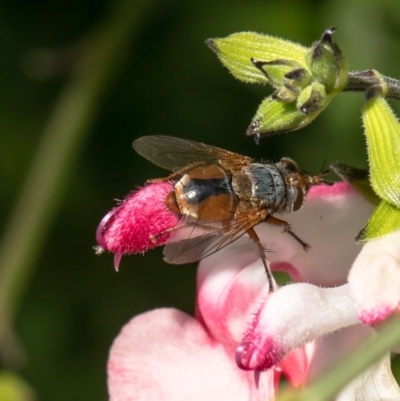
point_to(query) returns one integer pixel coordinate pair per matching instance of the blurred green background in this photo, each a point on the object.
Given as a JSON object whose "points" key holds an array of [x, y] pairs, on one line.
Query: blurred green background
{"points": [[70, 304]]}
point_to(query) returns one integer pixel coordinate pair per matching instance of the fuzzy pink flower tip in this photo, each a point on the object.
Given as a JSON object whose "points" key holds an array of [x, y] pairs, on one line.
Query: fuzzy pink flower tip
{"points": [[134, 225]]}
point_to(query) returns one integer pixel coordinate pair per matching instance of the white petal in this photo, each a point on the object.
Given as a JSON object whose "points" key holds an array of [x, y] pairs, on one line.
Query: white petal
{"points": [[375, 384], [375, 279], [291, 317], [328, 351]]}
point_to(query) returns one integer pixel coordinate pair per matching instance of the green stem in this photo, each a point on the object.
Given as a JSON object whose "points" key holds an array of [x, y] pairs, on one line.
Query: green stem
{"points": [[362, 81], [60, 146], [328, 386]]}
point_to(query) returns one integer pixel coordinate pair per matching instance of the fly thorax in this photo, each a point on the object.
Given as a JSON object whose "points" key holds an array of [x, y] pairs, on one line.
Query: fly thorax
{"points": [[262, 185]]}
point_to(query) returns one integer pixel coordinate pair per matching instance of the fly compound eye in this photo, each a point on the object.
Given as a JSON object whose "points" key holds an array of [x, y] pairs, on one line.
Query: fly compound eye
{"points": [[289, 164], [298, 197]]}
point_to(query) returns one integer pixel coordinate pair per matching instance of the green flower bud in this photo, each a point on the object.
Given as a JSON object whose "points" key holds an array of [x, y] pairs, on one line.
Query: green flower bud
{"points": [[287, 77], [297, 78], [382, 131], [327, 64], [384, 220], [278, 71], [312, 99], [304, 79], [236, 52], [274, 116]]}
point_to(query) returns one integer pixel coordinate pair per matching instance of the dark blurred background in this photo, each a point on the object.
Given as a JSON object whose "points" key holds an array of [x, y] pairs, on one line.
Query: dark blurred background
{"points": [[169, 82]]}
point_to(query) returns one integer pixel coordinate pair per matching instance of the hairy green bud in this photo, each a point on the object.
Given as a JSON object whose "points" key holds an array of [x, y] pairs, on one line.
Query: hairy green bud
{"points": [[327, 64], [304, 79]]}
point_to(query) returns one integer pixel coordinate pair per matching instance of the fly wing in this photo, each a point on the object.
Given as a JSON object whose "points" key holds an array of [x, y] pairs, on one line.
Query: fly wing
{"points": [[190, 250], [214, 237], [174, 153]]}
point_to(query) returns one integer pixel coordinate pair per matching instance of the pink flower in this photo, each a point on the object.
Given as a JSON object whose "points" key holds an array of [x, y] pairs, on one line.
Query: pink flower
{"points": [[243, 336], [133, 226], [166, 354]]}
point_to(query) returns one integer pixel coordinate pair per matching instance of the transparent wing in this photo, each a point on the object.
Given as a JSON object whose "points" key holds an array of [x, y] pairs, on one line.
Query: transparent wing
{"points": [[215, 237], [174, 153], [190, 250]]}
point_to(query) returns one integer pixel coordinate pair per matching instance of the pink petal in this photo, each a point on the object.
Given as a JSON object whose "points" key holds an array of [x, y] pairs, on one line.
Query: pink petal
{"points": [[295, 367], [329, 222], [167, 355], [338, 190], [231, 285], [291, 317], [375, 279], [131, 226], [117, 261]]}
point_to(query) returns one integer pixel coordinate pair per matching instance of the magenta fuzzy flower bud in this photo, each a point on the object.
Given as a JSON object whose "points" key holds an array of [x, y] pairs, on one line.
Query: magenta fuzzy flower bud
{"points": [[136, 224]]}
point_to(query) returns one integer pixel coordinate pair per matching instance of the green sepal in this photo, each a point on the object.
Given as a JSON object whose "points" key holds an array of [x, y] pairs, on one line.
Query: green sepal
{"points": [[274, 116], [297, 78], [327, 64], [283, 72], [285, 95], [384, 220], [358, 179], [312, 99], [382, 131], [237, 50]]}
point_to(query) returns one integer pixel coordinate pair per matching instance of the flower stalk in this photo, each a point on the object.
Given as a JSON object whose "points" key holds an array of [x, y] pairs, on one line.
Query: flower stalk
{"points": [[362, 81]]}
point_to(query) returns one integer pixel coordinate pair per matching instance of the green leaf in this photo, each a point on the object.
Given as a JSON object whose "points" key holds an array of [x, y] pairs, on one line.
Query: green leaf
{"points": [[237, 50], [382, 131], [384, 220]]}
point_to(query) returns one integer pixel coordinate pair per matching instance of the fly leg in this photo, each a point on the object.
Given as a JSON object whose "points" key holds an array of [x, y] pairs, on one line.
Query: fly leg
{"points": [[254, 237], [286, 227]]}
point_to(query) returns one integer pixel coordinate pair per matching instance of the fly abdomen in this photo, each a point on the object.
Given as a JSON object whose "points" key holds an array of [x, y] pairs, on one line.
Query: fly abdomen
{"points": [[206, 198], [196, 190]]}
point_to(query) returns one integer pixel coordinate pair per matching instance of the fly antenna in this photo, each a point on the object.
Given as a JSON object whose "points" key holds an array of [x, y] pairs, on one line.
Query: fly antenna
{"points": [[318, 178]]}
